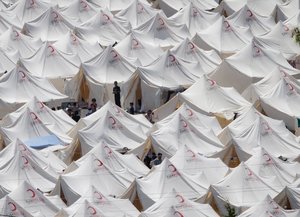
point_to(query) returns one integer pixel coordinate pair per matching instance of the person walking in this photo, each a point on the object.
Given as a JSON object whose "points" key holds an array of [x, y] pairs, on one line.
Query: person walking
{"points": [[117, 93]]}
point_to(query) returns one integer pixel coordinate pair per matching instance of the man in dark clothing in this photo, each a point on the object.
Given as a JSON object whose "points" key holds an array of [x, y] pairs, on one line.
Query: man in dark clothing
{"points": [[131, 109], [76, 116], [117, 93]]}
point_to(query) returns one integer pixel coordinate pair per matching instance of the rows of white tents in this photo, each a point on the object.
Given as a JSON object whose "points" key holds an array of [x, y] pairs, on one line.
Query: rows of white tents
{"points": [[220, 77]]}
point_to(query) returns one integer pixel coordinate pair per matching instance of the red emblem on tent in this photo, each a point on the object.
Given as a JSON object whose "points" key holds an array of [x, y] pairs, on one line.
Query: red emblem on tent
{"points": [[291, 87], [212, 82], [256, 50], [176, 213], [286, 28], [106, 17], [55, 15], [249, 13], [51, 49], [249, 172], [273, 204], [108, 150], [172, 58], [16, 33], [227, 25], [84, 4], [284, 74], [194, 12], [191, 45], [32, 193], [23, 75], [172, 168], [32, 2], [22, 147], [92, 210], [12, 206], [266, 127], [267, 158], [98, 195], [193, 155], [189, 112], [41, 105], [114, 54], [112, 120], [184, 124], [140, 7], [179, 198], [99, 163], [161, 21], [25, 160], [34, 116]]}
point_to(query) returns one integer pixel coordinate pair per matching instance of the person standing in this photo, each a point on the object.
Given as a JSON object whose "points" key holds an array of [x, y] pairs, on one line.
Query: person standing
{"points": [[117, 93], [93, 105], [131, 108]]}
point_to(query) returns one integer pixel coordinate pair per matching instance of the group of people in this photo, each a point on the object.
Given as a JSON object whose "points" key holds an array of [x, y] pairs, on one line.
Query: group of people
{"points": [[152, 159]]}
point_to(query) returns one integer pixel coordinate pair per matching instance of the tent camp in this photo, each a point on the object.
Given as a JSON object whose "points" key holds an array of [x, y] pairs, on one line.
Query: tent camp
{"points": [[158, 30], [106, 204], [114, 6], [24, 85], [194, 18], [167, 75], [97, 76], [224, 37], [170, 7], [51, 62], [260, 61], [136, 45], [258, 24], [30, 199], [104, 28], [14, 40], [167, 177], [137, 12], [176, 203], [70, 43], [287, 10], [94, 172], [49, 26]]}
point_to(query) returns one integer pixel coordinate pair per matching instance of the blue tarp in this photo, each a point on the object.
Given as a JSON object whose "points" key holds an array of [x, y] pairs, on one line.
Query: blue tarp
{"points": [[43, 141]]}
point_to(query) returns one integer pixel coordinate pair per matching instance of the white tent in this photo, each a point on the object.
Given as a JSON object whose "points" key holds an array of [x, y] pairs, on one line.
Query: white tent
{"points": [[246, 17], [250, 65], [137, 12], [54, 119], [94, 172], [106, 204], [33, 131], [9, 59], [17, 87], [117, 132], [23, 167], [268, 207], [103, 28], [137, 46], [175, 204], [242, 188], [70, 43], [49, 26], [182, 132], [30, 199], [265, 164], [209, 97], [279, 39], [158, 30], [187, 50], [224, 37], [113, 5], [194, 18], [14, 40], [252, 130], [28, 10], [287, 10], [170, 7], [167, 73], [50, 62], [98, 75], [114, 160], [78, 11], [164, 178], [9, 20], [188, 160], [193, 116]]}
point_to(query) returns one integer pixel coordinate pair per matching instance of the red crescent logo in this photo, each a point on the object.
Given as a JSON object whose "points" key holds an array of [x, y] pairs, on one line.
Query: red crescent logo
{"points": [[25, 160], [55, 15], [16, 33], [32, 192], [41, 105], [23, 75], [84, 4], [12, 206], [286, 28], [73, 38], [195, 11], [266, 126], [184, 124], [227, 25], [257, 50], [161, 21], [212, 82], [268, 159], [99, 164], [284, 74], [109, 149], [291, 87], [92, 210], [193, 154], [172, 58], [51, 49], [106, 17], [98, 195], [135, 42], [178, 214], [190, 112], [33, 116], [180, 198], [115, 55], [172, 168], [191, 45], [249, 172], [32, 2], [249, 13], [113, 121], [23, 147], [140, 7], [274, 205]]}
